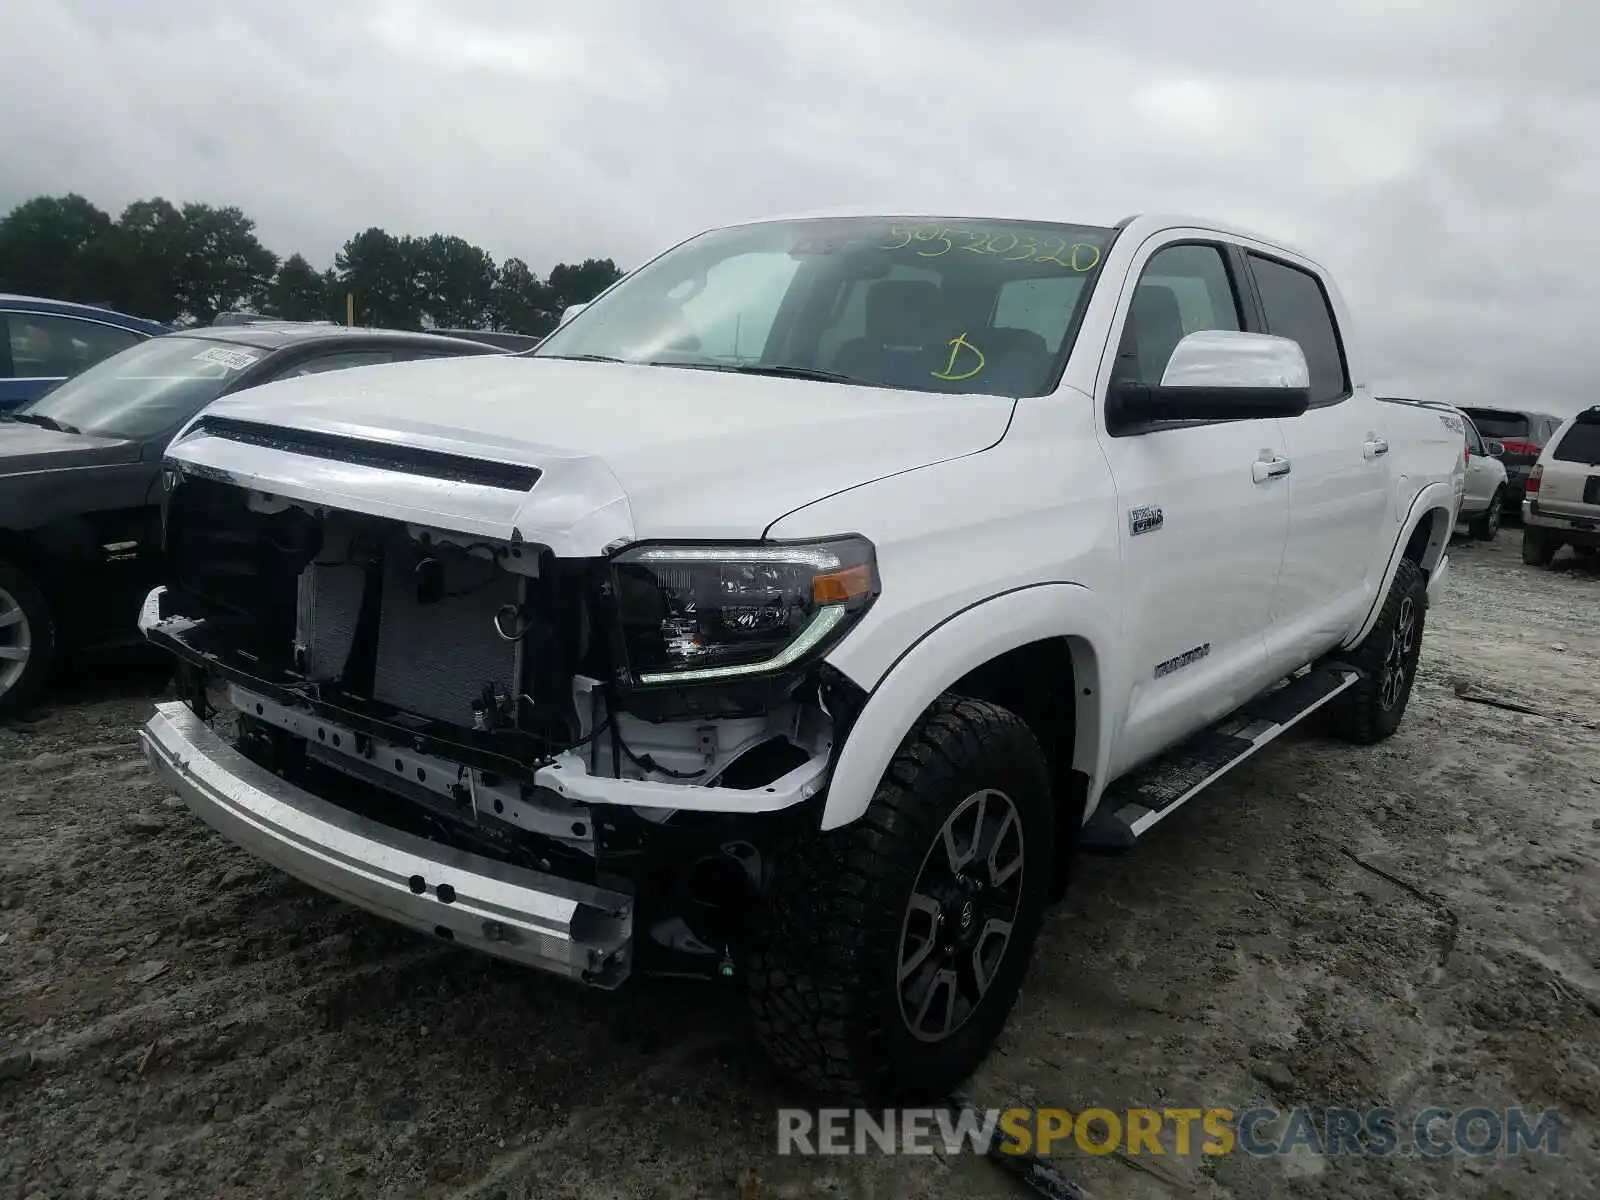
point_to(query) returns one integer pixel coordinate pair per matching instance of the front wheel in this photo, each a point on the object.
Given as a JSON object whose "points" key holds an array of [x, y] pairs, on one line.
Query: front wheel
{"points": [[894, 948], [1387, 657]]}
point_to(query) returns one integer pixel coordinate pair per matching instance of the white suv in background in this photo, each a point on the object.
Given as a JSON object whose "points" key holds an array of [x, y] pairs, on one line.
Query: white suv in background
{"points": [[1562, 506]]}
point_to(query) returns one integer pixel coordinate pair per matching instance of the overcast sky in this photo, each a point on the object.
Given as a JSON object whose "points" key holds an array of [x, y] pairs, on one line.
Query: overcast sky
{"points": [[1440, 155]]}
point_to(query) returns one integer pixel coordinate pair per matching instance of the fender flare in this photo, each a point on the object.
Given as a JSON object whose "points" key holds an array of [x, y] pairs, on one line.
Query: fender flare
{"points": [[960, 643], [1436, 495]]}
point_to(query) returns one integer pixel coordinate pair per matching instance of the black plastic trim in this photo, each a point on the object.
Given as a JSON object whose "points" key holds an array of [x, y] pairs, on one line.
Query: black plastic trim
{"points": [[406, 460]]}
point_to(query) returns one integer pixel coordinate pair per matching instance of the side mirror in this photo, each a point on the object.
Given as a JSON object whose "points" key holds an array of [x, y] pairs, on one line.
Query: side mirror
{"points": [[571, 311], [1221, 375], [1495, 449]]}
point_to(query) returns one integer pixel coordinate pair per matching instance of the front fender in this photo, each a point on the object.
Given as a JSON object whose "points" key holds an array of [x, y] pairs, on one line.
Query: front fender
{"points": [[961, 643]]}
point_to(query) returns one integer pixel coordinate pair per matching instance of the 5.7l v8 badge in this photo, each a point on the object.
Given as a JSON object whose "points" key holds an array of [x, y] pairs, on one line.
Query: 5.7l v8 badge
{"points": [[1144, 519]]}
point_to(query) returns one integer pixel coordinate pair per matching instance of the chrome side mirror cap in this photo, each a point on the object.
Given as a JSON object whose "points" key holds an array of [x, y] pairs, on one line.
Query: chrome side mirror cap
{"points": [[1222, 358]]}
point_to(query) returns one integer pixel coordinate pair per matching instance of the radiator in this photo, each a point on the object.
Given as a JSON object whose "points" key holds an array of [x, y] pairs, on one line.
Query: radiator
{"points": [[433, 659]]}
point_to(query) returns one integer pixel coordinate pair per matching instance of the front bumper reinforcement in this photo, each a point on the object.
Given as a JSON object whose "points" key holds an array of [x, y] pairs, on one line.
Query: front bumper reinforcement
{"points": [[538, 920]]}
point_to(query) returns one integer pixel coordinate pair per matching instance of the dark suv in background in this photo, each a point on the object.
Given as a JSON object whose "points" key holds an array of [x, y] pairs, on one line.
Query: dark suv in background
{"points": [[1524, 434]]}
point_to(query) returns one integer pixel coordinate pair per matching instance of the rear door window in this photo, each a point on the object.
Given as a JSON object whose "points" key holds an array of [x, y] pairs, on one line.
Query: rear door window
{"points": [[1581, 443]]}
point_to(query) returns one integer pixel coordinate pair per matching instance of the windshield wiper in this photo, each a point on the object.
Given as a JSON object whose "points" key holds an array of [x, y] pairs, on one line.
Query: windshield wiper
{"points": [[46, 422], [778, 369], [578, 357]]}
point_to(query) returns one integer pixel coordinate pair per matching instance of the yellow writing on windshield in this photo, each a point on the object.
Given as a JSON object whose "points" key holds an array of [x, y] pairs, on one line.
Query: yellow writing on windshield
{"points": [[935, 241], [957, 344]]}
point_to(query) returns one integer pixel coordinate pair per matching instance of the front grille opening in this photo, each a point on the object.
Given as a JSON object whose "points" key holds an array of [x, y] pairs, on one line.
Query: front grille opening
{"points": [[352, 610]]}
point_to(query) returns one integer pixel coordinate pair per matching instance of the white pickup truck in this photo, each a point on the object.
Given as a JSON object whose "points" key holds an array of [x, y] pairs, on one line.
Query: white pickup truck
{"points": [[796, 609]]}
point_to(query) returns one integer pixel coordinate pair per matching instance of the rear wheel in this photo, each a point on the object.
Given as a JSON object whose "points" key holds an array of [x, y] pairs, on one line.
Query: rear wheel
{"points": [[27, 638], [895, 947], [1538, 547], [1487, 525], [1387, 658]]}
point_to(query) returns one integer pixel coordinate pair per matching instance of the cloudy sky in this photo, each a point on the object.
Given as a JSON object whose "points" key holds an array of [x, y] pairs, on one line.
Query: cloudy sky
{"points": [[1440, 155]]}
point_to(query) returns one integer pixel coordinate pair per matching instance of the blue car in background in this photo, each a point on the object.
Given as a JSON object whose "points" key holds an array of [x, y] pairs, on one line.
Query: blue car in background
{"points": [[43, 342]]}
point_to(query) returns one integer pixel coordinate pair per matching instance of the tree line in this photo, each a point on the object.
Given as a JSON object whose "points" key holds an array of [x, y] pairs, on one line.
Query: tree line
{"points": [[181, 264]]}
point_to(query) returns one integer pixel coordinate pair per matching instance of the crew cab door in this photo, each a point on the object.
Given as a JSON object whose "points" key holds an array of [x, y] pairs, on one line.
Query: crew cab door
{"points": [[1204, 510], [1338, 485]]}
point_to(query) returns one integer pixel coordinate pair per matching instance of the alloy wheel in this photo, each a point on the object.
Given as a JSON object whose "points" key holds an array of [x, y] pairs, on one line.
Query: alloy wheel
{"points": [[960, 916], [16, 641], [1397, 662]]}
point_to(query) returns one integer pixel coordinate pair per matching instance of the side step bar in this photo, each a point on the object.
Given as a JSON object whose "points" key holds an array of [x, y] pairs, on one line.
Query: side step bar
{"points": [[1150, 793]]}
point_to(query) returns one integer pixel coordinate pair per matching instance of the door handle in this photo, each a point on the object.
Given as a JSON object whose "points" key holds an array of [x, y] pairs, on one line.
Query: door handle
{"points": [[1268, 468], [1373, 448]]}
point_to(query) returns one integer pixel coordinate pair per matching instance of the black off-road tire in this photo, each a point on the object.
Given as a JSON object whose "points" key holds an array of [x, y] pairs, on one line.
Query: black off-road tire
{"points": [[1538, 547], [1486, 525], [18, 593], [1371, 710], [823, 981]]}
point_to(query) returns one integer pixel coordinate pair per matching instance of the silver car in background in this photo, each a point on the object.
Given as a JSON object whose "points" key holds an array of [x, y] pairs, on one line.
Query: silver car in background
{"points": [[1487, 492], [1562, 503]]}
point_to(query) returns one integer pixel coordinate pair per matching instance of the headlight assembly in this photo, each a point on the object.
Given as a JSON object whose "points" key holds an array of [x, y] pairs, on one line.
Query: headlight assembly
{"points": [[692, 613]]}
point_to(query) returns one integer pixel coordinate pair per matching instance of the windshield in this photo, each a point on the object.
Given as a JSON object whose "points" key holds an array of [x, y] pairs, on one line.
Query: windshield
{"points": [[929, 304], [145, 390]]}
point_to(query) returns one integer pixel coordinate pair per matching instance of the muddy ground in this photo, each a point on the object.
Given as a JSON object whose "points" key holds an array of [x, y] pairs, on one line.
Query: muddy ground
{"points": [[177, 1021]]}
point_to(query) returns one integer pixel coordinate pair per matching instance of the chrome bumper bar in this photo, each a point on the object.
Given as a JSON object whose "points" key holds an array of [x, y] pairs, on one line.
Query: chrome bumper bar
{"points": [[534, 919]]}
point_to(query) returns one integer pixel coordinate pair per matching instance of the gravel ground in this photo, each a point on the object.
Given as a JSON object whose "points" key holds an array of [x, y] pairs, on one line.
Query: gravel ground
{"points": [[178, 1021]]}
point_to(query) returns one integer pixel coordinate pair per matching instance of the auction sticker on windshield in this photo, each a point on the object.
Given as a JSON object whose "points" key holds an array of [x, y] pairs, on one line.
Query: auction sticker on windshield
{"points": [[230, 359]]}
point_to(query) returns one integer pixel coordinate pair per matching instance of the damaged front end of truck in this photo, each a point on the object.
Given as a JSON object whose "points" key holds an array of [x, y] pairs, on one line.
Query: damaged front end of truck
{"points": [[456, 690]]}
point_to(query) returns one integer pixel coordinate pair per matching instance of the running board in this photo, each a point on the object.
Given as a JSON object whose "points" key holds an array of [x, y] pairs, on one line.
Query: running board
{"points": [[1150, 793]]}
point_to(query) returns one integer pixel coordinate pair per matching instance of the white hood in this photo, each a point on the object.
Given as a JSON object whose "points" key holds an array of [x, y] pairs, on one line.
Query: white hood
{"points": [[625, 451]]}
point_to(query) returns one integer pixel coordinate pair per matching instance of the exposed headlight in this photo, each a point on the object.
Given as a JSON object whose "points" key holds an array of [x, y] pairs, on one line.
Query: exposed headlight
{"points": [[699, 613]]}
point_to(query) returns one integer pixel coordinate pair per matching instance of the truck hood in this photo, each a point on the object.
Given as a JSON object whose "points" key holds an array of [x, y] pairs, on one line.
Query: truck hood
{"points": [[623, 452], [26, 448]]}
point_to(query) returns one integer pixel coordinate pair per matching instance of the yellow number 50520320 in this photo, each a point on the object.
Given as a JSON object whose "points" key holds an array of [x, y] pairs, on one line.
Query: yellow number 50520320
{"points": [[935, 241]]}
